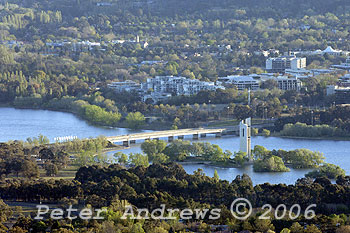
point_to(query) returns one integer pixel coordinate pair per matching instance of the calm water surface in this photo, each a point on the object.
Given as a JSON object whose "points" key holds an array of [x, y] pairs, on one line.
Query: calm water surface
{"points": [[23, 123], [19, 124], [336, 152]]}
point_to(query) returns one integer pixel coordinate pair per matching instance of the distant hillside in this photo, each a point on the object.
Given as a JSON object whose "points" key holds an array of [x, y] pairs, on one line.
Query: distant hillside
{"points": [[261, 8]]}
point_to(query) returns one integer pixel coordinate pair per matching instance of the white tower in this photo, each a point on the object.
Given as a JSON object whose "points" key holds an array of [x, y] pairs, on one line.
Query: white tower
{"points": [[249, 96], [245, 137]]}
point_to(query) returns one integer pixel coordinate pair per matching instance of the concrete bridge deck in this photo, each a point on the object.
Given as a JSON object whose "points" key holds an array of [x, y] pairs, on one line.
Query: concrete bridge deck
{"points": [[170, 134]]}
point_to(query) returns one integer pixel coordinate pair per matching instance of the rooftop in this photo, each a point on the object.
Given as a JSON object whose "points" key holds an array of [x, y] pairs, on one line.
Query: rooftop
{"points": [[329, 49]]}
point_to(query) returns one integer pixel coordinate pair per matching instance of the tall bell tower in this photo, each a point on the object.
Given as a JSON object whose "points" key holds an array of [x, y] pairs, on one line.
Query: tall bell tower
{"points": [[245, 137]]}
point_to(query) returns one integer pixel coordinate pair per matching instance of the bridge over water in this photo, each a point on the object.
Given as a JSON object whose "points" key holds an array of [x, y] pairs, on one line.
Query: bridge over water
{"points": [[170, 134]]}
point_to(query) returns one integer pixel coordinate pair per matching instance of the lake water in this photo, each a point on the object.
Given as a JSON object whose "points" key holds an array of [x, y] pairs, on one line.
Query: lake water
{"points": [[336, 152], [20, 124]]}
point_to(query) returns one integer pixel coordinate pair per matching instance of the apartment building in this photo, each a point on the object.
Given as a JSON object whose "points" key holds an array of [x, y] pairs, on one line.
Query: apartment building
{"points": [[288, 83], [280, 64], [127, 85], [178, 85]]}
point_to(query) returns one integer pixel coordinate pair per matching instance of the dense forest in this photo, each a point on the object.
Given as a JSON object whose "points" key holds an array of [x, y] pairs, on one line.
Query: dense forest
{"points": [[150, 187], [169, 7]]}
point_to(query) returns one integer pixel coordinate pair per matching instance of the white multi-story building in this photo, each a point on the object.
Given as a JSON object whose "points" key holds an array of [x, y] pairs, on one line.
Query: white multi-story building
{"points": [[85, 45], [250, 82], [127, 85], [178, 85], [280, 64], [163, 87], [288, 83]]}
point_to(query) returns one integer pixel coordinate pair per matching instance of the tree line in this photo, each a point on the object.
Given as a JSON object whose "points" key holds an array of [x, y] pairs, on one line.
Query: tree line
{"points": [[170, 184]]}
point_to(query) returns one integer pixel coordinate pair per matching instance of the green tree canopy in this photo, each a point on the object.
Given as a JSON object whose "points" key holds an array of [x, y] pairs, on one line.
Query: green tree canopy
{"points": [[270, 164], [328, 170], [135, 120]]}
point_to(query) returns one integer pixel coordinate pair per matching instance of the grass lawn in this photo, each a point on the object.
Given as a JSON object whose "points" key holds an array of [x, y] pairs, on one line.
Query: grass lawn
{"points": [[66, 173]]}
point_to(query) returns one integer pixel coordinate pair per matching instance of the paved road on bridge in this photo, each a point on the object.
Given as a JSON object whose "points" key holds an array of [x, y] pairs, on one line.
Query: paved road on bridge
{"points": [[166, 133], [171, 134]]}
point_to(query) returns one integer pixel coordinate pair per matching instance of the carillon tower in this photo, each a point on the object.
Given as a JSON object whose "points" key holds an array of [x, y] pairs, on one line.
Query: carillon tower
{"points": [[245, 137]]}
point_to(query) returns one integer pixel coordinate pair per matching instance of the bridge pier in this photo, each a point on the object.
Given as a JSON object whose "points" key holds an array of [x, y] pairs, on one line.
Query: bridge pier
{"points": [[218, 135], [195, 136], [126, 143], [170, 138], [203, 135], [181, 137]]}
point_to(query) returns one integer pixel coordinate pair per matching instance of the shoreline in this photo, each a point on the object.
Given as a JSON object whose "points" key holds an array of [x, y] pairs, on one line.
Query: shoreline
{"points": [[209, 163], [313, 138], [119, 124], [149, 127]]}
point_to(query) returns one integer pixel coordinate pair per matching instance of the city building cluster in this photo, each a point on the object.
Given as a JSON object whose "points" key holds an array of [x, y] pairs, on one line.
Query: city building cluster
{"points": [[87, 45], [75, 46], [253, 81], [284, 72], [163, 87], [329, 51], [341, 91]]}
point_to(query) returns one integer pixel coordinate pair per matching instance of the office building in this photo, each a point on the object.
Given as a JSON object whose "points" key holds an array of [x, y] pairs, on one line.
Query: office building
{"points": [[280, 64], [249, 82], [127, 85]]}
